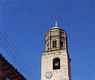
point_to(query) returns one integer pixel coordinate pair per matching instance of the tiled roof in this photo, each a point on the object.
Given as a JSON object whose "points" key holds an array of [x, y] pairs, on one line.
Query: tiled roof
{"points": [[8, 71]]}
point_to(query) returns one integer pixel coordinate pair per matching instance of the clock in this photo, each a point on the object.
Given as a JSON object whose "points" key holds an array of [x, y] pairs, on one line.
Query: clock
{"points": [[48, 75]]}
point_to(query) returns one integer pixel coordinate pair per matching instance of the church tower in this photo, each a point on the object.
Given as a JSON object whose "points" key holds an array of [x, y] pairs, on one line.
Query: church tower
{"points": [[55, 63]]}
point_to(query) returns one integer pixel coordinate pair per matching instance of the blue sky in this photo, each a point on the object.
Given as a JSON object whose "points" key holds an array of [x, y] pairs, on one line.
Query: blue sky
{"points": [[26, 21]]}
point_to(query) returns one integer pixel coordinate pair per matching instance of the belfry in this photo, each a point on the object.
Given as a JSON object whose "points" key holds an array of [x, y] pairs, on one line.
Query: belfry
{"points": [[55, 62]]}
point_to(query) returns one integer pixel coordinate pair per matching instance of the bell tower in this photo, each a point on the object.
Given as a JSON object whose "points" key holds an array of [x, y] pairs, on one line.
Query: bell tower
{"points": [[55, 64]]}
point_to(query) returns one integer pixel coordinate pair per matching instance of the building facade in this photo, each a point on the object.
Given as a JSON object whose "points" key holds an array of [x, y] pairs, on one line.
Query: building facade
{"points": [[55, 62]]}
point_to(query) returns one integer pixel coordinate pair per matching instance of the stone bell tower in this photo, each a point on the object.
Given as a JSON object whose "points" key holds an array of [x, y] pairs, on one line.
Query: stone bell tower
{"points": [[55, 64]]}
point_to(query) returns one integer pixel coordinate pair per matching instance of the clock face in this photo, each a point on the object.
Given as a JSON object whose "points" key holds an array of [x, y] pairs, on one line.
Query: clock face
{"points": [[48, 75]]}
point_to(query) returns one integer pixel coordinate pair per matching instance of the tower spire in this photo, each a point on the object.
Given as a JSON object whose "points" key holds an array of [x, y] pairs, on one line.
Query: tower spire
{"points": [[56, 21], [56, 24]]}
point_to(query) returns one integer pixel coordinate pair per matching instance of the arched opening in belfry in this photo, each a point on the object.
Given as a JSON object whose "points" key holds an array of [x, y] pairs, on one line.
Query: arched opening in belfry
{"points": [[54, 43], [56, 63]]}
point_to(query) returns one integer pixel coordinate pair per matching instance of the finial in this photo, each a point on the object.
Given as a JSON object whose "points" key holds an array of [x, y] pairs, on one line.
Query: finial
{"points": [[55, 26], [55, 21]]}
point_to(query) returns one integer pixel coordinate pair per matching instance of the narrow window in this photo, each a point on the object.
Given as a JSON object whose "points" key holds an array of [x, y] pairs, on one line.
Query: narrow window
{"points": [[56, 63], [48, 45], [54, 43], [61, 44]]}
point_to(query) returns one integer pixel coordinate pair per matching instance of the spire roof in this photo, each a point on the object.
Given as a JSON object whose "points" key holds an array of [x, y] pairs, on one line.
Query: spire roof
{"points": [[56, 25], [55, 21]]}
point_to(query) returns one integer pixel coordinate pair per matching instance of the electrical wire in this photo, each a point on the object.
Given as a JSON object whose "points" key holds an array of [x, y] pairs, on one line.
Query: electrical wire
{"points": [[21, 56], [7, 49]]}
